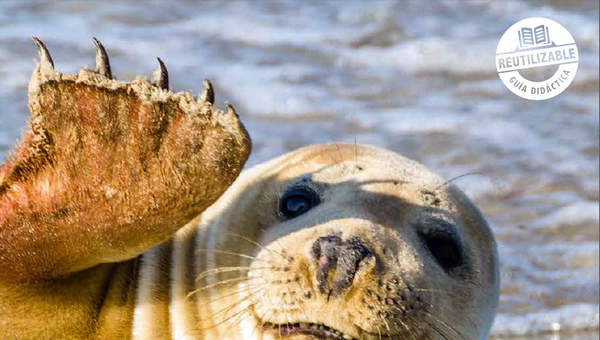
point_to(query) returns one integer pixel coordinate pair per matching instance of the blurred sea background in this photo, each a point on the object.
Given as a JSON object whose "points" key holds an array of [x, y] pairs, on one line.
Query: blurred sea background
{"points": [[416, 77]]}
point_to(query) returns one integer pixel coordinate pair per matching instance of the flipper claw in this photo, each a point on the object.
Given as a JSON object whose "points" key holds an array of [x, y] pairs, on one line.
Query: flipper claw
{"points": [[230, 110], [207, 94], [102, 62], [45, 59], [107, 169], [161, 76]]}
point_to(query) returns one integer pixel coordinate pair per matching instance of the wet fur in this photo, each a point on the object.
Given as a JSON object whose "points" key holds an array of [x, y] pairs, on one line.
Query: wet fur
{"points": [[107, 170], [398, 293], [104, 171]]}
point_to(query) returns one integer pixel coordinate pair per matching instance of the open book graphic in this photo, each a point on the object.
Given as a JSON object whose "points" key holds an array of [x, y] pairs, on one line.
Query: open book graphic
{"points": [[533, 37]]}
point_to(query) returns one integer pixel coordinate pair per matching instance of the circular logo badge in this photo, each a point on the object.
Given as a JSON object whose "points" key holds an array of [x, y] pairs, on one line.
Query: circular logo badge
{"points": [[535, 48]]}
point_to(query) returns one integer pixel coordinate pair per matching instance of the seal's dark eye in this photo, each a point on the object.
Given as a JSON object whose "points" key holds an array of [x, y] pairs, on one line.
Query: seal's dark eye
{"points": [[445, 248], [297, 201]]}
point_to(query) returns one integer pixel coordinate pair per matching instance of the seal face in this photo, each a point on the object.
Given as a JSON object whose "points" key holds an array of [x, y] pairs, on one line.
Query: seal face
{"points": [[350, 242]]}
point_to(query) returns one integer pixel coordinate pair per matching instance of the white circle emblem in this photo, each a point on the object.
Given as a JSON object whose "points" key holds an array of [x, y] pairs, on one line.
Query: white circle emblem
{"points": [[536, 42]]}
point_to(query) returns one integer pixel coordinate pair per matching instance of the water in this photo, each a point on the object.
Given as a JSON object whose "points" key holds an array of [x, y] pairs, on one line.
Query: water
{"points": [[415, 78]]}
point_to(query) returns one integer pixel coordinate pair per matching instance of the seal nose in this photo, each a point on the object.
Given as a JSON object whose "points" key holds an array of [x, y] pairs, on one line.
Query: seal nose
{"points": [[331, 252]]}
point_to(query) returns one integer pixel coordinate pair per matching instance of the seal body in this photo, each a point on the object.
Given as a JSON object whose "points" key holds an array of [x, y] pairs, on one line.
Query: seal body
{"points": [[329, 241], [376, 246]]}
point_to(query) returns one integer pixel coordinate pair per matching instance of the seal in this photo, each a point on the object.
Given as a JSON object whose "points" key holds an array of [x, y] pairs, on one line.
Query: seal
{"points": [[343, 241], [330, 241]]}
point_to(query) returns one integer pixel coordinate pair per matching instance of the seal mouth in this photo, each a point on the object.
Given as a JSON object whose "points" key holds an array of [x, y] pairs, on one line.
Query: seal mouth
{"points": [[319, 331]]}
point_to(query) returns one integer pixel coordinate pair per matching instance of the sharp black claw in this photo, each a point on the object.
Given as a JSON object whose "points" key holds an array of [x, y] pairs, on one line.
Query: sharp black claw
{"points": [[230, 109], [102, 63], [161, 76], [208, 94], [45, 58]]}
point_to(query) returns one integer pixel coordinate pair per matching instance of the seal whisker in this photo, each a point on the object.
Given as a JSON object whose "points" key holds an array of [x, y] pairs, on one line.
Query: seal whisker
{"points": [[227, 252], [413, 332], [220, 283], [282, 247], [400, 308], [399, 322], [228, 318], [426, 312], [239, 316], [435, 327], [385, 323], [444, 324], [458, 177], [381, 307], [219, 297], [408, 329], [378, 181], [255, 243], [231, 306], [404, 310], [447, 325], [379, 332], [438, 291], [220, 270]]}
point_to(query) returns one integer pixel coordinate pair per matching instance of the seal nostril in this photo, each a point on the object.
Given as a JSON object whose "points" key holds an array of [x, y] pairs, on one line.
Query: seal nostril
{"points": [[325, 251], [322, 260], [325, 245], [330, 252]]}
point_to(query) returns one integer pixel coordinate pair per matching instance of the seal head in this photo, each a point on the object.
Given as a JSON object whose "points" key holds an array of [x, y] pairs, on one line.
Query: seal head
{"points": [[354, 242]]}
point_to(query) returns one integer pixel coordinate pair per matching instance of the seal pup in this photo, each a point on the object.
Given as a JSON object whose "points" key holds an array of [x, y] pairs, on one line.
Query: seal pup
{"points": [[326, 242], [341, 241]]}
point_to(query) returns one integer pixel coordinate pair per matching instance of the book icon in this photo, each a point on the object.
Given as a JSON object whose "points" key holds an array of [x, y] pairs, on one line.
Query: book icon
{"points": [[534, 37]]}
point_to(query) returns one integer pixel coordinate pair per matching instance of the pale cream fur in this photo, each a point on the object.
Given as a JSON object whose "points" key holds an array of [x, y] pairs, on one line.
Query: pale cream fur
{"points": [[72, 231], [373, 193]]}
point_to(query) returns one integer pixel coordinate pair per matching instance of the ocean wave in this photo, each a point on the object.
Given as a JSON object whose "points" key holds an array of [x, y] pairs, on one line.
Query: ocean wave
{"points": [[576, 317]]}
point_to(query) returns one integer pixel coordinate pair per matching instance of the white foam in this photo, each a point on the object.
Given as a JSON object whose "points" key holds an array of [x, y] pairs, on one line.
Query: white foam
{"points": [[427, 55], [578, 213], [504, 133], [567, 318]]}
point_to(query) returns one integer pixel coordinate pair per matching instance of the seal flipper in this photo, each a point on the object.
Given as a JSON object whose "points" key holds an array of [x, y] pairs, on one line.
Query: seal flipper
{"points": [[108, 169]]}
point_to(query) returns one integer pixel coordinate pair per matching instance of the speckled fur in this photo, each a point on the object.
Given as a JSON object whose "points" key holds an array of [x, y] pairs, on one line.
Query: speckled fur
{"points": [[108, 171], [379, 197]]}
